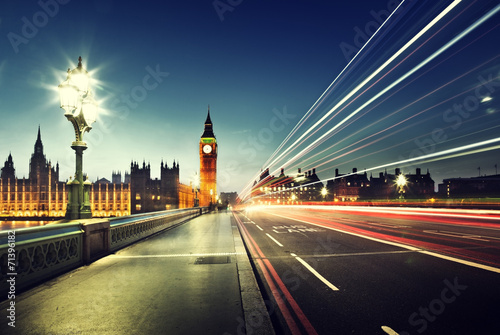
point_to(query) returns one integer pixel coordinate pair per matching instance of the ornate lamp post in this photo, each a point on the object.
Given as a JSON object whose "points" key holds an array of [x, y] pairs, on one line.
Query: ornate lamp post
{"points": [[80, 109]]}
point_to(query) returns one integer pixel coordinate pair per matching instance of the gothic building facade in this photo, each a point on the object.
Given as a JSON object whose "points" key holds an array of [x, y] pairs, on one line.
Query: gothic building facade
{"points": [[43, 195]]}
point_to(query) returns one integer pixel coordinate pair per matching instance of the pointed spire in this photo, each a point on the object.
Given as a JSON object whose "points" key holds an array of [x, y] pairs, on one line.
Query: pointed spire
{"points": [[208, 131], [38, 144], [208, 120]]}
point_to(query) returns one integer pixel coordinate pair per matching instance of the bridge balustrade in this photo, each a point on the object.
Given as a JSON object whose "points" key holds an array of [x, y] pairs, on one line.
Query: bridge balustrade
{"points": [[40, 253]]}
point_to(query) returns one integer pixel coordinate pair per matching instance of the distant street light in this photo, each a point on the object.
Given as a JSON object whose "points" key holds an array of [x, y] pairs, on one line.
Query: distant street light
{"points": [[401, 182], [80, 109], [324, 192]]}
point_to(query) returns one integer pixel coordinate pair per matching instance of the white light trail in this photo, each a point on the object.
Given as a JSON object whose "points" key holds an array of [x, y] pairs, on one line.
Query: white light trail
{"points": [[323, 137], [328, 90], [319, 100], [369, 78], [446, 154]]}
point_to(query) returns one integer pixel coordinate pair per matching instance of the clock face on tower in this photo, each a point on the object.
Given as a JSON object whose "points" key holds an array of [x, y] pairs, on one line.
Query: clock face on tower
{"points": [[207, 149]]}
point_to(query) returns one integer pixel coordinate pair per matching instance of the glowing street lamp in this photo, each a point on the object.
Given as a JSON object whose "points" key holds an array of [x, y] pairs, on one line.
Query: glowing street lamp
{"points": [[401, 182], [324, 192], [80, 109]]}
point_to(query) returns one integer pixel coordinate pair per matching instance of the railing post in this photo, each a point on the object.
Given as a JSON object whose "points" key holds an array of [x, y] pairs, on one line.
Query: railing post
{"points": [[96, 240]]}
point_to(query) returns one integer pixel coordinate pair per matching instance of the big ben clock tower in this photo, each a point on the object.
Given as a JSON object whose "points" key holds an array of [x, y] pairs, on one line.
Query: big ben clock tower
{"points": [[208, 164]]}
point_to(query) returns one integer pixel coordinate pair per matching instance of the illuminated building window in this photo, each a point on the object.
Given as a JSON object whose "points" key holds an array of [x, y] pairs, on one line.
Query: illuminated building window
{"points": [[138, 207], [137, 196]]}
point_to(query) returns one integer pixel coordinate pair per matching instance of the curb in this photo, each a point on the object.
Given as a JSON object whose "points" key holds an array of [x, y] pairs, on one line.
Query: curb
{"points": [[257, 319]]}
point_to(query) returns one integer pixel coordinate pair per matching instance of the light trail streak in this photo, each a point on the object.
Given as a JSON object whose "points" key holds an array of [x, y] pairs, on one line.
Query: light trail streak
{"points": [[449, 153], [396, 112], [351, 117], [394, 125], [320, 140], [377, 81], [370, 77], [440, 250], [330, 88], [412, 139], [323, 96]]}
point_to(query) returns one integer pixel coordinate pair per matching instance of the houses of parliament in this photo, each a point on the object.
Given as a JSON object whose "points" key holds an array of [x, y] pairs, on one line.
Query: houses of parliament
{"points": [[43, 195]]}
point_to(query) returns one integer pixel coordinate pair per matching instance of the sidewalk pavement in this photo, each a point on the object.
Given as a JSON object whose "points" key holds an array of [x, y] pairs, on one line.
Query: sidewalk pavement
{"points": [[193, 279]]}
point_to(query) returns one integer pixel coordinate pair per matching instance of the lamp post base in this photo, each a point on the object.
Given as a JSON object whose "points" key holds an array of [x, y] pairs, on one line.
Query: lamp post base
{"points": [[78, 190]]}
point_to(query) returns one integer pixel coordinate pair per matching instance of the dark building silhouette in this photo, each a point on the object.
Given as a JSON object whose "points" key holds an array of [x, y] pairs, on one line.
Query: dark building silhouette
{"points": [[307, 187], [8, 170], [347, 187], [302, 187], [150, 195], [482, 186], [384, 186], [229, 198]]}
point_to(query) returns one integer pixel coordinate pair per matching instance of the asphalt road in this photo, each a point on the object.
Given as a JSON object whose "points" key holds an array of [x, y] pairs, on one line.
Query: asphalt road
{"points": [[377, 271]]}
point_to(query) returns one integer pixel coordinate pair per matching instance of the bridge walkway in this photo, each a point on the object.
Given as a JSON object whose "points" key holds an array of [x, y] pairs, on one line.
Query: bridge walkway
{"points": [[192, 279]]}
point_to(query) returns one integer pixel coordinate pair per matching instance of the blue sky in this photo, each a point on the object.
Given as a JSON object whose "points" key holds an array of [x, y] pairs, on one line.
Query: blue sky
{"points": [[260, 65]]}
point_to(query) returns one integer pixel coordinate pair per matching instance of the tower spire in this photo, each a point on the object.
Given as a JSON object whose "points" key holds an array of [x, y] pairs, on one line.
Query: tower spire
{"points": [[38, 143], [208, 131]]}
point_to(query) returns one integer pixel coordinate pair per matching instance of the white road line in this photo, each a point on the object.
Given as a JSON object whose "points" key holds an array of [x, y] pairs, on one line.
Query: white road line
{"points": [[179, 255], [386, 225], [272, 238], [470, 235], [314, 272], [389, 330], [459, 235], [461, 261], [409, 247], [259, 227]]}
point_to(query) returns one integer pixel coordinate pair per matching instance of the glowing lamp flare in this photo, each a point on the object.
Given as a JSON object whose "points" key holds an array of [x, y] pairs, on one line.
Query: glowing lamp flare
{"points": [[89, 108], [68, 93], [401, 180]]}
